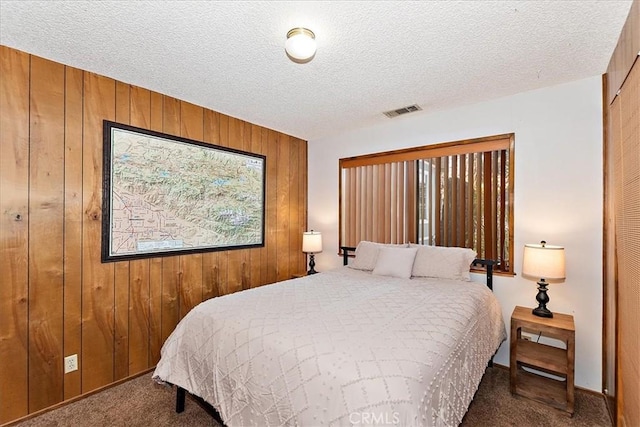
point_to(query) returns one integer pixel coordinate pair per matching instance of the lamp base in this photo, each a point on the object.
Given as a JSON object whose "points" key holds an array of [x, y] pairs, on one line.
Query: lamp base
{"points": [[543, 299], [542, 312], [312, 264]]}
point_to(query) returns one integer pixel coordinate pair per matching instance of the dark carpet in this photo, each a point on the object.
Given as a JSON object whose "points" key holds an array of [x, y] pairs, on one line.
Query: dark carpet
{"points": [[141, 402]]}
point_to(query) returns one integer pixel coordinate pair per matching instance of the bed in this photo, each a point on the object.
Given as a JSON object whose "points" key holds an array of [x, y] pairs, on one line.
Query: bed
{"points": [[349, 346]]}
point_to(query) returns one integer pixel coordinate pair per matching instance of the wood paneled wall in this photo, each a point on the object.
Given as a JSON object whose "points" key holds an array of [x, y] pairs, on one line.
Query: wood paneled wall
{"points": [[56, 297]]}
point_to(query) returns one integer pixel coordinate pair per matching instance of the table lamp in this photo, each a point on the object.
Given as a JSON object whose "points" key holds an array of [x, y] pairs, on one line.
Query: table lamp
{"points": [[311, 244], [543, 262]]}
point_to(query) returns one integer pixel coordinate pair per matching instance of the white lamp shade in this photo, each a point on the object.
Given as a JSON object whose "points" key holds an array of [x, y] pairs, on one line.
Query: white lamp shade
{"points": [[312, 241], [300, 44], [543, 261]]}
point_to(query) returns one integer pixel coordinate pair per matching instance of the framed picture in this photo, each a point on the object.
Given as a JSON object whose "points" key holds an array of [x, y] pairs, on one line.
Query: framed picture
{"points": [[166, 195]]}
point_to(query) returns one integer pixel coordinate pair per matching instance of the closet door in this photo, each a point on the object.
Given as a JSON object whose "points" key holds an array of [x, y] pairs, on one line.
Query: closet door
{"points": [[627, 217]]}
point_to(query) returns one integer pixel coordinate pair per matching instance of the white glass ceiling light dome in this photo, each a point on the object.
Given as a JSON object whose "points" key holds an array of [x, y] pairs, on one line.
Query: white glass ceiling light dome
{"points": [[300, 45]]}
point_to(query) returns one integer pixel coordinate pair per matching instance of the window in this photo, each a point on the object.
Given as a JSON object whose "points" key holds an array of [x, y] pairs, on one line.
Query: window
{"points": [[451, 194]]}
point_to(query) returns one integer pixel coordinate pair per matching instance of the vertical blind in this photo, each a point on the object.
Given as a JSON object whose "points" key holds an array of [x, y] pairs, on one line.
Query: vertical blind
{"points": [[463, 202], [452, 194], [377, 204]]}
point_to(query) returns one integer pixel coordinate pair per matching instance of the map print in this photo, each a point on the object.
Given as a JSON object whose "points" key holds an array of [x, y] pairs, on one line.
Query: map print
{"points": [[170, 195]]}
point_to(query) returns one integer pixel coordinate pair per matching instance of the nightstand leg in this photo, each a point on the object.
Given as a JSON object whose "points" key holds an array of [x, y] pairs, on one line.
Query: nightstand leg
{"points": [[513, 368], [570, 373]]}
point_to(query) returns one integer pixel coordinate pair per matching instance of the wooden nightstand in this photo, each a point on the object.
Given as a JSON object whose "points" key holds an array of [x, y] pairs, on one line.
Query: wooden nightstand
{"points": [[297, 276], [553, 360]]}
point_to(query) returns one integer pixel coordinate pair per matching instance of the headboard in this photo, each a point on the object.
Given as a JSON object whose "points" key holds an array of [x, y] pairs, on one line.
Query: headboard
{"points": [[488, 263]]}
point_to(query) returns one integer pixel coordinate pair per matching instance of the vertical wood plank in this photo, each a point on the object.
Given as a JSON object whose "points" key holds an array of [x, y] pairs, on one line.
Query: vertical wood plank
{"points": [[171, 273], [155, 310], [121, 278], [234, 271], [73, 226], [223, 256], [14, 222], [282, 210], [121, 320], [46, 220], [138, 314], [210, 269], [304, 204], [302, 200], [191, 127], [235, 257], [272, 203], [256, 254], [171, 277], [294, 246], [140, 107], [139, 278], [246, 253], [97, 278], [155, 264], [264, 256]]}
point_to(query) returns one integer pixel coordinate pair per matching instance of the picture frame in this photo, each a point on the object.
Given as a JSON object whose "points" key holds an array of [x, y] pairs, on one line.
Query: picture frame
{"points": [[166, 195]]}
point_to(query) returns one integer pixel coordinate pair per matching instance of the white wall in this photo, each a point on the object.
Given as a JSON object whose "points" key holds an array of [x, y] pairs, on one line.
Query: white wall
{"points": [[558, 193]]}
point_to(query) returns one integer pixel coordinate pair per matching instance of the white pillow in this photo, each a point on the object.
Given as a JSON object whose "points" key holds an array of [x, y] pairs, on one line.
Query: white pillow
{"points": [[395, 262], [367, 254], [443, 262]]}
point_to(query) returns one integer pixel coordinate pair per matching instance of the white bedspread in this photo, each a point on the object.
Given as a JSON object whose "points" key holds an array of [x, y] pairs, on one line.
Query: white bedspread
{"points": [[342, 347]]}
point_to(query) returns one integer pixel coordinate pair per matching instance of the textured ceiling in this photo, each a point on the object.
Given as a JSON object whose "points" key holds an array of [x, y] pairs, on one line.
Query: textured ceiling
{"points": [[372, 56]]}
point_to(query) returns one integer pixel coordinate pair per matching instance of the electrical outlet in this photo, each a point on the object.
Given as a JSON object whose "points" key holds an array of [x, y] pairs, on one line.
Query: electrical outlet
{"points": [[70, 363]]}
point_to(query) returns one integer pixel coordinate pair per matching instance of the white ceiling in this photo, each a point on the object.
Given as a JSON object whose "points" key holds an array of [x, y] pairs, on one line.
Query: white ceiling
{"points": [[372, 56]]}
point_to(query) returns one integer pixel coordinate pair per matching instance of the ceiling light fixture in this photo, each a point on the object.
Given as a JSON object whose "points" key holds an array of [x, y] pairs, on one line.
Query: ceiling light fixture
{"points": [[300, 45]]}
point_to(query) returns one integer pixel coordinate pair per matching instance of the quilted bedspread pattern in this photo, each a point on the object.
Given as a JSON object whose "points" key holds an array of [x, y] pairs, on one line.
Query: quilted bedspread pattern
{"points": [[343, 347]]}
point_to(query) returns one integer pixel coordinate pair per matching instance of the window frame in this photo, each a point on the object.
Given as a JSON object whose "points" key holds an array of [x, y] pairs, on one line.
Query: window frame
{"points": [[466, 146]]}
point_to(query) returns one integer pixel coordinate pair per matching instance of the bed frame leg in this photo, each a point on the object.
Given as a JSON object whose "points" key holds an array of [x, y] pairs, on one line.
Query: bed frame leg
{"points": [[180, 397]]}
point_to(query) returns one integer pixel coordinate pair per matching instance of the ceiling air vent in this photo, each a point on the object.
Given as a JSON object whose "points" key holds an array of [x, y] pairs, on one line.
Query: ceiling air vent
{"points": [[404, 110]]}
